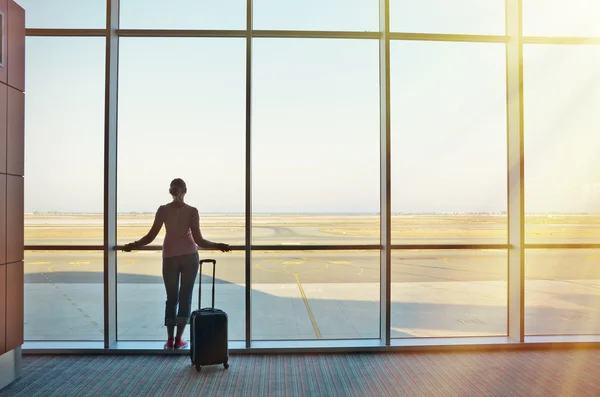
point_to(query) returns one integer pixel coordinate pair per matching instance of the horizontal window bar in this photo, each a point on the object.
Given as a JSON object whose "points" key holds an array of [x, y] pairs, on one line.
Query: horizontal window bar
{"points": [[562, 246], [449, 37], [306, 34], [279, 248], [179, 33], [291, 247], [450, 246], [327, 247], [284, 247], [317, 34], [561, 40], [242, 33], [64, 248], [66, 32], [351, 247]]}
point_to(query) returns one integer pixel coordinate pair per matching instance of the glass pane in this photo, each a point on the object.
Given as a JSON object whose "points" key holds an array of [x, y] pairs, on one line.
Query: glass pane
{"points": [[448, 16], [330, 15], [64, 295], [64, 14], [315, 141], [64, 140], [562, 292], [141, 295], [315, 295], [196, 132], [561, 18], [562, 167], [448, 143], [449, 293], [182, 14]]}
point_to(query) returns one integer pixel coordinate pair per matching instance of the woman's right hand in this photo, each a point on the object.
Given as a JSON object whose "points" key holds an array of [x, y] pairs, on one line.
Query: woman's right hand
{"points": [[223, 247]]}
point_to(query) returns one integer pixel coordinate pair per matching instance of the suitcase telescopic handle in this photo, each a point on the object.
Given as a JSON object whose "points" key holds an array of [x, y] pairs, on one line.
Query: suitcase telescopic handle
{"points": [[214, 263]]}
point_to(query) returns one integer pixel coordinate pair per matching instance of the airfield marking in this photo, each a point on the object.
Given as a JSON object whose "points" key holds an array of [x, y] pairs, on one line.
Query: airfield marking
{"points": [[285, 264], [68, 298], [75, 264], [128, 263], [300, 288], [350, 264], [310, 313], [51, 268]]}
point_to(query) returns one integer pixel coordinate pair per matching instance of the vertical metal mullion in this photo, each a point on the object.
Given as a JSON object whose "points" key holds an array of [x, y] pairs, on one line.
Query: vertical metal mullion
{"points": [[385, 173], [248, 172], [110, 173], [516, 162]]}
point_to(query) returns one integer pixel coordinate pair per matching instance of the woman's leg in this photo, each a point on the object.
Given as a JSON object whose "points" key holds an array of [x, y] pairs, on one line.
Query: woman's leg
{"points": [[170, 273], [189, 270]]}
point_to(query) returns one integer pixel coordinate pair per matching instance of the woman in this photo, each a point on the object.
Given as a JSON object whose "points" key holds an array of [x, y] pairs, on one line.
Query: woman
{"points": [[180, 257]]}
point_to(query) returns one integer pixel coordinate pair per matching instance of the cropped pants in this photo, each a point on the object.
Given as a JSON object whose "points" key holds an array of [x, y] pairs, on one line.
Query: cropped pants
{"points": [[179, 275]]}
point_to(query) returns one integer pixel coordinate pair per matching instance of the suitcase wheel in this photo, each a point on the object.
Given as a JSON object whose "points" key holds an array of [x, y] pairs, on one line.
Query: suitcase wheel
{"points": [[198, 367], [225, 365]]}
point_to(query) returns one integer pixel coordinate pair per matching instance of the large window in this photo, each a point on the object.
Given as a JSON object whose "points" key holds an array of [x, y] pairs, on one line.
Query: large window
{"points": [[331, 15], [141, 294], [562, 195], [561, 18], [562, 292], [64, 168], [448, 187], [315, 159], [315, 295], [64, 137], [449, 293], [64, 295], [315, 142], [180, 116], [192, 84], [448, 143], [65, 14], [448, 16], [562, 173], [182, 14]]}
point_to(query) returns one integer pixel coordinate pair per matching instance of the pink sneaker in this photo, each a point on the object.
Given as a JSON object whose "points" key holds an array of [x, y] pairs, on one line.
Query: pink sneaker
{"points": [[180, 344], [169, 345]]}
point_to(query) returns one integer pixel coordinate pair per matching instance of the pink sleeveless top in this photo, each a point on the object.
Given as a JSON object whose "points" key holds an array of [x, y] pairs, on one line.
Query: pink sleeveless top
{"points": [[178, 222]]}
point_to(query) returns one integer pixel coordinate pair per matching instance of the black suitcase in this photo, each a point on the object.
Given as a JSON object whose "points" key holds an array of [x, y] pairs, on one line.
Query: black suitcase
{"points": [[208, 330]]}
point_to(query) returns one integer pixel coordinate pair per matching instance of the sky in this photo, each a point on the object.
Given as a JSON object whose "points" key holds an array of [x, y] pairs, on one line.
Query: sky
{"points": [[315, 104]]}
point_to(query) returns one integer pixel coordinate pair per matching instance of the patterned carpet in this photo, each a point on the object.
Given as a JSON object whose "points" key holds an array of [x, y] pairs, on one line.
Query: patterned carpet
{"points": [[516, 373]]}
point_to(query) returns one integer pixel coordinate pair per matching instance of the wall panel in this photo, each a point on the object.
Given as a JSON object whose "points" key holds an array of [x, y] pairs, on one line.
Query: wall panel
{"points": [[15, 131], [15, 54], [3, 10], [14, 219], [15, 281]]}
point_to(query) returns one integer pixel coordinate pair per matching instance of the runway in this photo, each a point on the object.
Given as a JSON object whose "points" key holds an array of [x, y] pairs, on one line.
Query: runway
{"points": [[304, 294], [320, 267]]}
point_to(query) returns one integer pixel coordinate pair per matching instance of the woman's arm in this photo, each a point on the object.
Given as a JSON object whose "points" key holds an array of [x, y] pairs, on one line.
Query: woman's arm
{"points": [[201, 241], [150, 236]]}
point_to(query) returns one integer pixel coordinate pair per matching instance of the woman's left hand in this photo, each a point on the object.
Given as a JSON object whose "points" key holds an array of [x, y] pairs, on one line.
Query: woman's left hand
{"points": [[128, 247]]}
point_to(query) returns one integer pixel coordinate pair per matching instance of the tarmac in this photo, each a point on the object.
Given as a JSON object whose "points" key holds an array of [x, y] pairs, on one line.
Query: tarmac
{"points": [[320, 295]]}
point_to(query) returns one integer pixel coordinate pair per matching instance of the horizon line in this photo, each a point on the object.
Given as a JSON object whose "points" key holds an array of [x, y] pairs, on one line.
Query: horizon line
{"points": [[318, 213]]}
